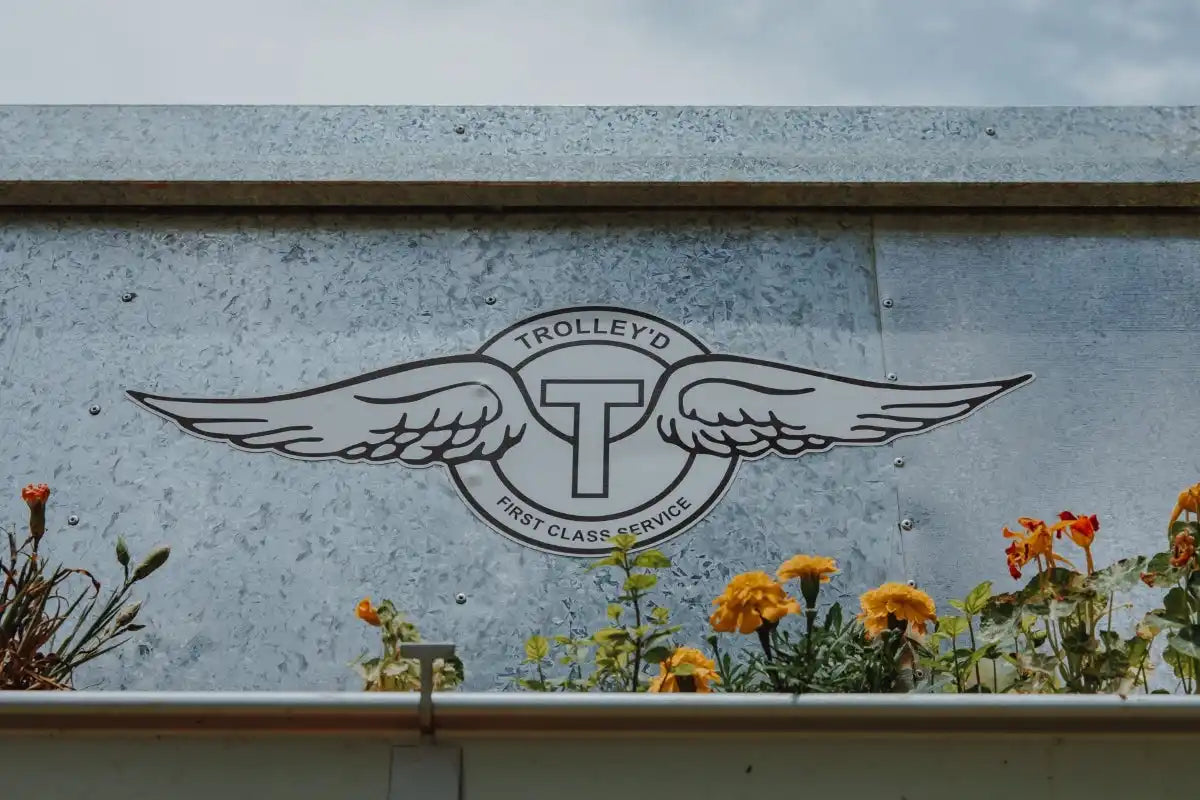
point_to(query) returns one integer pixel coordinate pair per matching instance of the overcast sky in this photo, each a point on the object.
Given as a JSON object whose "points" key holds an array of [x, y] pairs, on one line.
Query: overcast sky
{"points": [[776, 52]]}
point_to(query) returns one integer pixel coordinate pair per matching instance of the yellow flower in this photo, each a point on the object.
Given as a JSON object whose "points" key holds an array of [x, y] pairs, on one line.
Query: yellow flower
{"points": [[366, 612], [750, 600], [897, 601], [696, 674], [810, 567]]}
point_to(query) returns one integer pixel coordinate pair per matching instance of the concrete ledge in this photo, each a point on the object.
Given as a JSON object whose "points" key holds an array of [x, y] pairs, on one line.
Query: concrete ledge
{"points": [[475, 157]]}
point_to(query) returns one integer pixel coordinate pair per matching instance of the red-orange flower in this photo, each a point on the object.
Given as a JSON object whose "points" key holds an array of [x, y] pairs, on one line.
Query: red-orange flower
{"points": [[1183, 549], [1082, 531], [366, 612], [35, 494], [1034, 544]]}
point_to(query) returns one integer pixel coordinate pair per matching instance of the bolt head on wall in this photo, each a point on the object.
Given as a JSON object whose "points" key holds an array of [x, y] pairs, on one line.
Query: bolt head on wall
{"points": [[906, 524]]}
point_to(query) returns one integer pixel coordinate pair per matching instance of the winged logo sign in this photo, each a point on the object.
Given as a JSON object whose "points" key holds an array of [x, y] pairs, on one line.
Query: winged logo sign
{"points": [[580, 423]]}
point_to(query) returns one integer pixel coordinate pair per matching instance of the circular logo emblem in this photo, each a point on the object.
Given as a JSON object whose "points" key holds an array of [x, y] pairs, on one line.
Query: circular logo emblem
{"points": [[592, 463]]}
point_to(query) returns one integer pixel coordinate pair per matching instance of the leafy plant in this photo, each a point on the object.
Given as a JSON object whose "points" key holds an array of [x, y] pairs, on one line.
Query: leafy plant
{"points": [[1178, 570], [47, 628], [615, 657], [1055, 634], [389, 671]]}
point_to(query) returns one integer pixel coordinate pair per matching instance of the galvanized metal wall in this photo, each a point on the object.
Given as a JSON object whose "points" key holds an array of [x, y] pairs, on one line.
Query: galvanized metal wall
{"points": [[270, 554]]}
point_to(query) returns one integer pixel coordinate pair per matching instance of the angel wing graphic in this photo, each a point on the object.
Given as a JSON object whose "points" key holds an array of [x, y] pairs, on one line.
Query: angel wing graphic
{"points": [[470, 408]]}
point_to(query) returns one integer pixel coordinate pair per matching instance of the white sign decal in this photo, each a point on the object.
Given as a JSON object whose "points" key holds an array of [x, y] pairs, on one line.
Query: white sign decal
{"points": [[581, 423]]}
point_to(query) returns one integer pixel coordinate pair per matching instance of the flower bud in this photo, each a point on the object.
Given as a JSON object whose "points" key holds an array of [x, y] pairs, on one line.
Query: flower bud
{"points": [[156, 559], [35, 496], [122, 552], [127, 614]]}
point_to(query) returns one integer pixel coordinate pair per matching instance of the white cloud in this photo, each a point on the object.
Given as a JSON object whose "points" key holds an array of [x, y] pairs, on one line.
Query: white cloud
{"points": [[585, 52]]}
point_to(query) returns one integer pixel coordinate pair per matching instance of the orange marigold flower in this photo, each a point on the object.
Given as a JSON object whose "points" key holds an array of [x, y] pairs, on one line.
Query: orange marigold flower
{"points": [[810, 567], [366, 612], [35, 494], [685, 670], [750, 600], [1189, 500], [1183, 549], [896, 601]]}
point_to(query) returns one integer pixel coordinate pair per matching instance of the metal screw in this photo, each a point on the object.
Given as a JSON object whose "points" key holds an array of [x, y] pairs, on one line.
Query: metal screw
{"points": [[460, 129], [491, 301], [911, 583], [128, 297], [897, 462], [906, 524], [888, 302], [891, 376], [93, 410], [460, 598], [73, 519], [990, 131]]}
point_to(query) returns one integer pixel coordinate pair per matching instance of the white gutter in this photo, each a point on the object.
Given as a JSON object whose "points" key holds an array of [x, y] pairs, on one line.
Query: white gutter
{"points": [[465, 715]]}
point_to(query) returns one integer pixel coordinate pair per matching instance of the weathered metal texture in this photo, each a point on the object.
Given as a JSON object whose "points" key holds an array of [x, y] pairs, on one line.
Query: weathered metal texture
{"points": [[438, 156], [1103, 310], [270, 554]]}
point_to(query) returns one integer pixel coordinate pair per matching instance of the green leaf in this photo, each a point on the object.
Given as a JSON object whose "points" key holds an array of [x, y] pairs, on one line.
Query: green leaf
{"points": [[1120, 575], [1176, 606], [640, 583], [977, 598], [614, 611], [959, 605], [1186, 640], [537, 648], [952, 626], [609, 635], [683, 669], [661, 615], [651, 559], [656, 655], [613, 560], [622, 541]]}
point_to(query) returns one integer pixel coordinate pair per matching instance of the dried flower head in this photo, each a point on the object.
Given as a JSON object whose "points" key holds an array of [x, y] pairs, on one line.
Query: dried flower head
{"points": [[749, 600], [896, 602], [1183, 549], [686, 670]]}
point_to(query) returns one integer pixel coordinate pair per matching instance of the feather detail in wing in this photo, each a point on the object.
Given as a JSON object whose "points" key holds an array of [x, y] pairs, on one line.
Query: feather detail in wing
{"points": [[438, 411], [727, 406]]}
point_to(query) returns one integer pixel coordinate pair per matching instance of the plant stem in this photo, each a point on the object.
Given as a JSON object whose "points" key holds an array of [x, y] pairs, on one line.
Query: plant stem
{"points": [[974, 647], [957, 671]]}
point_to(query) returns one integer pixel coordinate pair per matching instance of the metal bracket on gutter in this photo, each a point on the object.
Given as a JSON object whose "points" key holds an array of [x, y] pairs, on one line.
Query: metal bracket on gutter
{"points": [[428, 770], [426, 654]]}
